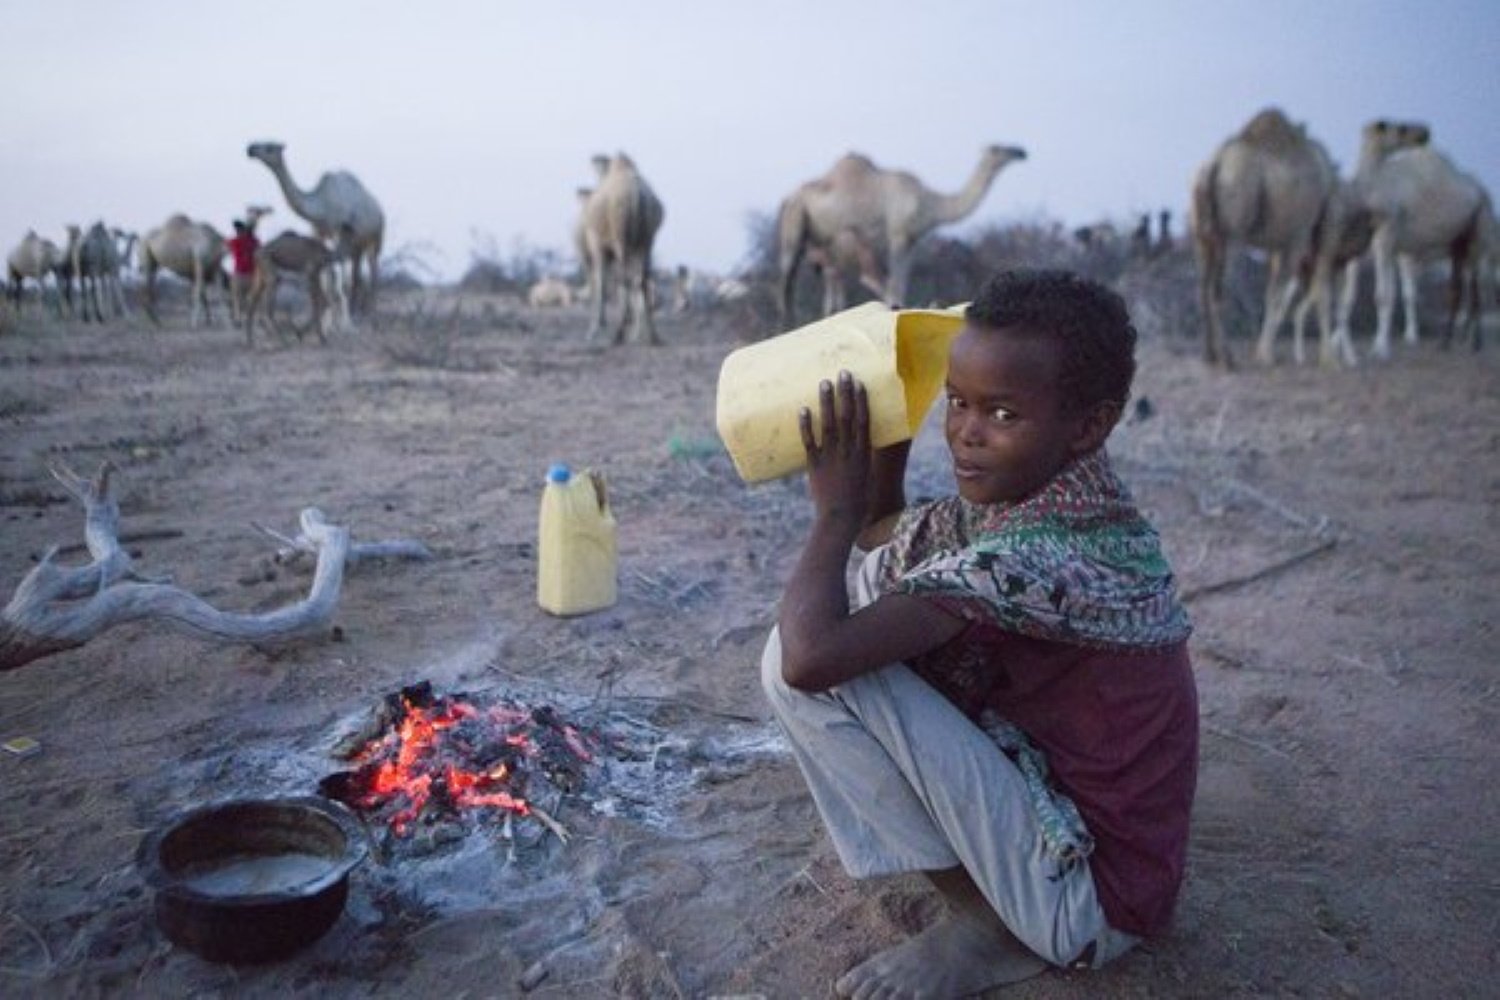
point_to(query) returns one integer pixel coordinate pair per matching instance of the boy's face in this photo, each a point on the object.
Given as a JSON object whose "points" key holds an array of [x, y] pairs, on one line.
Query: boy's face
{"points": [[1007, 424]]}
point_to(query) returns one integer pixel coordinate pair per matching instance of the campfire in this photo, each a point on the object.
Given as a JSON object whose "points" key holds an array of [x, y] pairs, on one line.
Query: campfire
{"points": [[428, 760]]}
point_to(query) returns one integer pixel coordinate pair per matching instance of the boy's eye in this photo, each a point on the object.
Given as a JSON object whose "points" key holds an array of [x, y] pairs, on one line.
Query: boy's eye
{"points": [[1000, 415]]}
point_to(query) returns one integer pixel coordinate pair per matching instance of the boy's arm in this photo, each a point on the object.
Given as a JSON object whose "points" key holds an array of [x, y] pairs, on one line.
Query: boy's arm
{"points": [[822, 644]]}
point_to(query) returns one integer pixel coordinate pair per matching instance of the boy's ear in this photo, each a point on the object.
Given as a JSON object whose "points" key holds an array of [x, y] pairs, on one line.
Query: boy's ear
{"points": [[1096, 425]]}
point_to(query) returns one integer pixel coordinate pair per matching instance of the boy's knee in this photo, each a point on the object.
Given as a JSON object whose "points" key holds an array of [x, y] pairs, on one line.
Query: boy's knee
{"points": [[771, 681]]}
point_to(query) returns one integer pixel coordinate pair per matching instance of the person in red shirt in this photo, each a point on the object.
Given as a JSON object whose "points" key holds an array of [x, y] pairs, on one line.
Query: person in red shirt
{"points": [[1008, 705], [242, 246]]}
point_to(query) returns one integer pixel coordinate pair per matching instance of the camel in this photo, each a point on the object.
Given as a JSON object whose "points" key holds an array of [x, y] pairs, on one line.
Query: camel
{"points": [[600, 164], [621, 220], [62, 270], [1342, 240], [193, 251], [289, 255], [37, 258], [692, 290], [1423, 207], [340, 210], [848, 253], [96, 262], [549, 293], [889, 211], [125, 242], [1479, 284], [1266, 187]]}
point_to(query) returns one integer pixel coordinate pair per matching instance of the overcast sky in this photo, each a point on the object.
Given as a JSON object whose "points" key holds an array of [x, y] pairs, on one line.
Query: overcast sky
{"points": [[479, 118]]}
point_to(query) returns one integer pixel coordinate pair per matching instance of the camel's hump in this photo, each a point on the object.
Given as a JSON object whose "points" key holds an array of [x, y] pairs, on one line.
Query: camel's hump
{"points": [[1270, 129]]}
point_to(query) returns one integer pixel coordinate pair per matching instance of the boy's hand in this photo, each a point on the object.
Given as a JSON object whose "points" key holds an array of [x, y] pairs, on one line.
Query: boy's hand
{"points": [[838, 468]]}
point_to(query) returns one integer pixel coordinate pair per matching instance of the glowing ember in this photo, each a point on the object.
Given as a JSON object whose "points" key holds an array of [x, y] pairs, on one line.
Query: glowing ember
{"points": [[440, 757]]}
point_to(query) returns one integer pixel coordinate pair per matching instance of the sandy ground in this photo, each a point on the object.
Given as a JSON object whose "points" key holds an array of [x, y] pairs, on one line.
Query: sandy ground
{"points": [[1335, 533]]}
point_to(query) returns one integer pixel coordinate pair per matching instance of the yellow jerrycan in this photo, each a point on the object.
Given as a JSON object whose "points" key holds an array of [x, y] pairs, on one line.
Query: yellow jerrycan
{"points": [[577, 568], [901, 356]]}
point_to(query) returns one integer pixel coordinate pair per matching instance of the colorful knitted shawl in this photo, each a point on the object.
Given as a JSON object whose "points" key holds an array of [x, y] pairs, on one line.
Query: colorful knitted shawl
{"points": [[1074, 563]]}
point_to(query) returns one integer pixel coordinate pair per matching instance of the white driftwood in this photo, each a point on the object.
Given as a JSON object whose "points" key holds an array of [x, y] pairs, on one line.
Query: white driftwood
{"points": [[56, 608], [293, 549]]}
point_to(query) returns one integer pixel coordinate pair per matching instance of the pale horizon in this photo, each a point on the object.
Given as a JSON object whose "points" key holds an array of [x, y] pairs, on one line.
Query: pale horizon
{"points": [[475, 122]]}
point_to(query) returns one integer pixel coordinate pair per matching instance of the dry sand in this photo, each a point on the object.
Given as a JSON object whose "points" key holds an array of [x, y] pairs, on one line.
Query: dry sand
{"points": [[1336, 533]]}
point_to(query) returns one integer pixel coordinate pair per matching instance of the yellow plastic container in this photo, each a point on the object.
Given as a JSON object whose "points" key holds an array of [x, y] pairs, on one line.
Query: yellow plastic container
{"points": [[577, 560], [900, 355]]}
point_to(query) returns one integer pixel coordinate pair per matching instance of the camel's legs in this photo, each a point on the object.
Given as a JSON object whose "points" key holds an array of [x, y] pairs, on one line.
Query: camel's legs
{"points": [[199, 293], [1316, 297], [374, 254], [597, 275], [833, 290], [1282, 287], [122, 309], [900, 274], [150, 269], [1211, 265], [315, 293], [1385, 291], [1341, 346], [1407, 264]]}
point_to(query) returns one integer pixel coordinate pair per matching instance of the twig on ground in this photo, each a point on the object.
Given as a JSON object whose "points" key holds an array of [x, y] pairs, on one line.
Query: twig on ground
{"points": [[1191, 593], [558, 830], [1383, 673], [1272, 504], [41, 943], [1229, 734]]}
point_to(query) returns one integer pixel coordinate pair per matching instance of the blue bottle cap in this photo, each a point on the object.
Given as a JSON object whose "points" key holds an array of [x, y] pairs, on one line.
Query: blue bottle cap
{"points": [[559, 473]]}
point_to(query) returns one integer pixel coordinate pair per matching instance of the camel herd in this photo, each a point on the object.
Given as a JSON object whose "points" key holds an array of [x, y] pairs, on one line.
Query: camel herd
{"points": [[1271, 186], [347, 223], [1274, 187]]}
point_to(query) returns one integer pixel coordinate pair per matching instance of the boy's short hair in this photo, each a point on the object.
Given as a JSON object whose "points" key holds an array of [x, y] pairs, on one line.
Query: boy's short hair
{"points": [[1088, 320]]}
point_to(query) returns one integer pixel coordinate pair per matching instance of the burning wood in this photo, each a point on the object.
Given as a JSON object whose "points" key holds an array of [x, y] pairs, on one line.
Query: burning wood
{"points": [[428, 759]]}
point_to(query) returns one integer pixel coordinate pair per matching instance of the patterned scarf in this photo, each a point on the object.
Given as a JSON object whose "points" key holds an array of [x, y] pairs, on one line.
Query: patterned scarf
{"points": [[1074, 563]]}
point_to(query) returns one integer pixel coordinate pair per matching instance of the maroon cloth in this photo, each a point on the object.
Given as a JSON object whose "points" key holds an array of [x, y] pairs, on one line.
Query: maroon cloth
{"points": [[1120, 731], [242, 248]]}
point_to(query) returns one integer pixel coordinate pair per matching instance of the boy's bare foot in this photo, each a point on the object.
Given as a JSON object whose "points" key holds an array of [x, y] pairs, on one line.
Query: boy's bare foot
{"points": [[955, 957]]}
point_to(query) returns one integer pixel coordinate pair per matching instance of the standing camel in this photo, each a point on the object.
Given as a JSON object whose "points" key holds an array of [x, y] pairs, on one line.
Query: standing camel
{"points": [[342, 213], [869, 209], [37, 258], [1266, 187], [289, 255], [600, 164], [1343, 238], [96, 264], [191, 250], [1423, 207], [621, 220]]}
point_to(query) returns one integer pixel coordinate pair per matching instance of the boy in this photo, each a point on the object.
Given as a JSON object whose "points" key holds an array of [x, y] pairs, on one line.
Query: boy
{"points": [[1010, 708]]}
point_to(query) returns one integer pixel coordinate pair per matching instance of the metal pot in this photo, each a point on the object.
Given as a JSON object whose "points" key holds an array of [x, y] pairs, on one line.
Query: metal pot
{"points": [[252, 880]]}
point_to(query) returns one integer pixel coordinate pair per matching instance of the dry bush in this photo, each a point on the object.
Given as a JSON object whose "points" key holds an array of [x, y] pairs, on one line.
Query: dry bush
{"points": [[492, 272], [407, 268], [443, 330]]}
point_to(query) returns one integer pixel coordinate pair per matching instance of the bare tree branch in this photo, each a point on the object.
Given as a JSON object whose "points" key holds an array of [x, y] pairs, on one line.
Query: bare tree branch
{"points": [[56, 608]]}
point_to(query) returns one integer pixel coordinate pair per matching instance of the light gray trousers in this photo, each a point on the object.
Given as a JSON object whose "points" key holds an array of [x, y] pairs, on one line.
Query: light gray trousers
{"points": [[905, 782]]}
